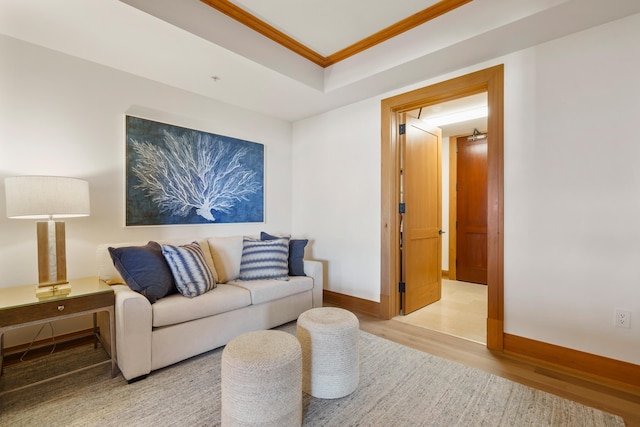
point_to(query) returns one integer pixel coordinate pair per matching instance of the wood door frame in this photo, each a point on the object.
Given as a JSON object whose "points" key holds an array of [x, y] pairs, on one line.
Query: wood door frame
{"points": [[490, 80]]}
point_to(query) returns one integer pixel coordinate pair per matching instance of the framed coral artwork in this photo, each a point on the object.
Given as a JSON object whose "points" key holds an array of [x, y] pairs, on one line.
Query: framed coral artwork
{"points": [[176, 175]]}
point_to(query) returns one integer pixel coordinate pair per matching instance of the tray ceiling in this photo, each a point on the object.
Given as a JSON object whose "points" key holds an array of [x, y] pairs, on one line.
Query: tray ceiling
{"points": [[189, 45], [328, 31]]}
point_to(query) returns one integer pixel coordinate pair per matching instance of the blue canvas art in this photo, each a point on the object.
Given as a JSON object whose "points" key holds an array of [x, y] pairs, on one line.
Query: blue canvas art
{"points": [[176, 175]]}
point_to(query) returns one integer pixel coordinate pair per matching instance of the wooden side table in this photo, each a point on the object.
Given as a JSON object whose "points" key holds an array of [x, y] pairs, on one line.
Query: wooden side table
{"points": [[19, 307]]}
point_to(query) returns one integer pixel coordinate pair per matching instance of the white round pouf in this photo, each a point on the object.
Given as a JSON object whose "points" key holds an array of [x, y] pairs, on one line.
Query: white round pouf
{"points": [[262, 380], [330, 360]]}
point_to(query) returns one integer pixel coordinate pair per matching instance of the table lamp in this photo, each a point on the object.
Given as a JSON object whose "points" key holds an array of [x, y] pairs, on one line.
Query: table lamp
{"points": [[51, 198]]}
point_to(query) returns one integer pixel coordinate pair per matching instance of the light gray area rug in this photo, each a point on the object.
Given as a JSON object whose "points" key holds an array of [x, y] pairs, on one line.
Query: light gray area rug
{"points": [[399, 386]]}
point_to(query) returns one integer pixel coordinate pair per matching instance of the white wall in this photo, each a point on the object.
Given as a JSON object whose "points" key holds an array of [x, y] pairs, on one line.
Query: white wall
{"points": [[336, 180], [572, 240], [60, 115]]}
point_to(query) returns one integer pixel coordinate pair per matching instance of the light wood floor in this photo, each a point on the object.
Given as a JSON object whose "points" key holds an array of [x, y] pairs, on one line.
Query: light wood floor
{"points": [[605, 395], [461, 312]]}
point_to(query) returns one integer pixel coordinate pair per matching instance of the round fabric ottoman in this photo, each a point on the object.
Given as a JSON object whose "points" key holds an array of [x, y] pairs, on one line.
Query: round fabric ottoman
{"points": [[262, 380], [330, 361]]}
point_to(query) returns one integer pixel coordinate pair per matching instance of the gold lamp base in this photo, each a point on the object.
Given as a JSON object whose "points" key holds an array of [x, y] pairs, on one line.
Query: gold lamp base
{"points": [[52, 258], [53, 291]]}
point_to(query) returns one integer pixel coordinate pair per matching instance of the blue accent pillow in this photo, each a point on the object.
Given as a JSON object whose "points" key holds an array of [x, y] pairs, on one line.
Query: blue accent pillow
{"points": [[144, 270], [191, 273], [296, 253], [264, 259]]}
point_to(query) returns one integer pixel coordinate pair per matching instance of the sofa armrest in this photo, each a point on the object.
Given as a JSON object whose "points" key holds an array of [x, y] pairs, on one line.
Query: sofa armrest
{"points": [[133, 332], [314, 270]]}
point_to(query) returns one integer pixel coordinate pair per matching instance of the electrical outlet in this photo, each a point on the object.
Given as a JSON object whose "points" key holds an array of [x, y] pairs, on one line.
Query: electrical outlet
{"points": [[623, 318]]}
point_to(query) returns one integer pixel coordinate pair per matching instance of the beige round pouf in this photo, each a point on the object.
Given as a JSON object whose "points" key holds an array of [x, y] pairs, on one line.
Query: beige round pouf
{"points": [[330, 360], [262, 380]]}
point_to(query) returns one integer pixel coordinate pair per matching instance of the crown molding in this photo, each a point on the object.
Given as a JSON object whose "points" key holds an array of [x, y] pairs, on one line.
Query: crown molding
{"points": [[249, 20]]}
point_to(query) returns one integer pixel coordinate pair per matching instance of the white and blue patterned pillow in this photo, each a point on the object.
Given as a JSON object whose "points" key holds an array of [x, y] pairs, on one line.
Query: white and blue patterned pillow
{"points": [[190, 271], [296, 253], [264, 259]]}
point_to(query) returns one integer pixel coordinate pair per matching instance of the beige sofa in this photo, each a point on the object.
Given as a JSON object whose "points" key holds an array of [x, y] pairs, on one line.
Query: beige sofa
{"points": [[174, 328]]}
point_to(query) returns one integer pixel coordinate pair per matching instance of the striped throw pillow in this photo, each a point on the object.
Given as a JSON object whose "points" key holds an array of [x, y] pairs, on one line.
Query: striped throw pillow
{"points": [[264, 259], [190, 271]]}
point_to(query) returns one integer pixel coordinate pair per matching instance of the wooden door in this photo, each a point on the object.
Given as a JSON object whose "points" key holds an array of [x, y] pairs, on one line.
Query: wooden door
{"points": [[422, 221], [471, 240]]}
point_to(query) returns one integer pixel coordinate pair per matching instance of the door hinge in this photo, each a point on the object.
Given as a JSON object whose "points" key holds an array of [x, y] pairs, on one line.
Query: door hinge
{"points": [[401, 287], [402, 208], [402, 129]]}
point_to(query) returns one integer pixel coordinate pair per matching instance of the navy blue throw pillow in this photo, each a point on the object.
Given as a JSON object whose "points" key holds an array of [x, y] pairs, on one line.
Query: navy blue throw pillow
{"points": [[144, 269], [296, 253]]}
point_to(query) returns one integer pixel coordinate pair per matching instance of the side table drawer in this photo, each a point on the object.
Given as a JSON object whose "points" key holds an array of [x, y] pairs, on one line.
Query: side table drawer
{"points": [[52, 309]]}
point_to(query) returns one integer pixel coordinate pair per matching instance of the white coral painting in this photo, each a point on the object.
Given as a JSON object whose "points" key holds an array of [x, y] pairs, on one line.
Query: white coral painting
{"points": [[177, 175]]}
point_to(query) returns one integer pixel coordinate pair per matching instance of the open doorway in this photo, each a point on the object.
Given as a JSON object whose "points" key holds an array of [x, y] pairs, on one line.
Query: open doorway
{"points": [[463, 123], [490, 81], [461, 309]]}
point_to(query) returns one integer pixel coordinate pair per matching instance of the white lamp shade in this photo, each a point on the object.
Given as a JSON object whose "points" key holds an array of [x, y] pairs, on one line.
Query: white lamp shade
{"points": [[46, 197]]}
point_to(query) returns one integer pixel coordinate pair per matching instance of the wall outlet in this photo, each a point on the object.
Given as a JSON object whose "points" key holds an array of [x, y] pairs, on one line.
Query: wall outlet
{"points": [[623, 318]]}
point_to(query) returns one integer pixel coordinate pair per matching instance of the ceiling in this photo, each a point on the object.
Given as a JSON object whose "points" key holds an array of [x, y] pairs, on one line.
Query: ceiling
{"points": [[327, 32], [192, 46], [334, 24]]}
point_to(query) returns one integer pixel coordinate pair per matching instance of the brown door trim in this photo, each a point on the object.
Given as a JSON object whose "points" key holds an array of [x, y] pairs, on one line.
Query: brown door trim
{"points": [[453, 207], [490, 80]]}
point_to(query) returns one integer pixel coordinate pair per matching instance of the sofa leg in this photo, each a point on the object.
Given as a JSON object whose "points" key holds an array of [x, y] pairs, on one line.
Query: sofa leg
{"points": [[136, 379]]}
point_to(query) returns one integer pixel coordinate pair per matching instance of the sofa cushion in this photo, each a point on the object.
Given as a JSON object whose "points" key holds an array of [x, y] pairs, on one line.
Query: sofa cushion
{"points": [[192, 275], [144, 270], [176, 308], [268, 290], [226, 253], [264, 259], [296, 253]]}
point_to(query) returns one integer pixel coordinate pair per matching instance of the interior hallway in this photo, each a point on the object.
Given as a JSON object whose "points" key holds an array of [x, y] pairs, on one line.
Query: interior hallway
{"points": [[461, 312]]}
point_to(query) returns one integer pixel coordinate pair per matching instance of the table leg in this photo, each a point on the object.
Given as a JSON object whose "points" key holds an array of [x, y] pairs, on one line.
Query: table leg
{"points": [[112, 341], [95, 331]]}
